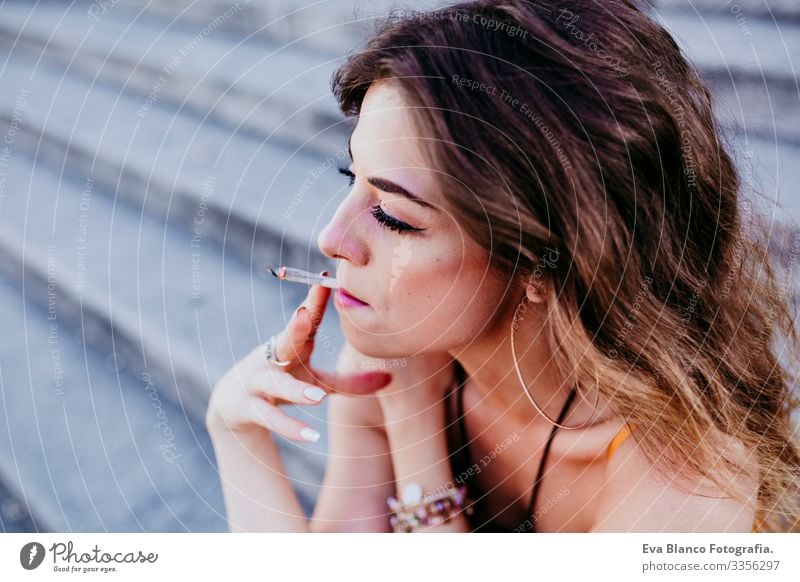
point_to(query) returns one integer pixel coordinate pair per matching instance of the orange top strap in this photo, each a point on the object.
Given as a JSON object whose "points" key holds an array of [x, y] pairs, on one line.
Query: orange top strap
{"points": [[623, 433]]}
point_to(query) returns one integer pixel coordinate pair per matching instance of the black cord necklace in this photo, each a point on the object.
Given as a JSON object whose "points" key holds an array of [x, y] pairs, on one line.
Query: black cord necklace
{"points": [[461, 381]]}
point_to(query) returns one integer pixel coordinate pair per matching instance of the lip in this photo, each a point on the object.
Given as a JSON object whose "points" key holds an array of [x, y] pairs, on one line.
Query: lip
{"points": [[345, 299]]}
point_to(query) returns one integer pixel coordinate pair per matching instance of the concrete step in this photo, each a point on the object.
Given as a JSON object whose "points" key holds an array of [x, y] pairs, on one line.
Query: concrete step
{"points": [[742, 11], [260, 201], [14, 516], [252, 86], [336, 28], [715, 42], [85, 447], [274, 92], [328, 28], [752, 73], [158, 299], [770, 172]]}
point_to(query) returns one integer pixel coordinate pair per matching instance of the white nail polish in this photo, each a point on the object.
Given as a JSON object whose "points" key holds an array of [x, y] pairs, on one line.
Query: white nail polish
{"points": [[309, 434], [314, 393]]}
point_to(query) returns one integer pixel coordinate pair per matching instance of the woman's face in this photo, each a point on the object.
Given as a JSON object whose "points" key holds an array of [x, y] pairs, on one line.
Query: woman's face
{"points": [[427, 290]]}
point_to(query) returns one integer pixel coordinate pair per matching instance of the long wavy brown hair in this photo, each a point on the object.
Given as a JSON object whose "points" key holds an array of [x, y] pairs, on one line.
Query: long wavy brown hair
{"points": [[581, 127]]}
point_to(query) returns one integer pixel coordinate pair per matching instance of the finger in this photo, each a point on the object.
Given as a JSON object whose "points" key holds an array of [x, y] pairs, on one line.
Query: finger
{"points": [[353, 383], [261, 412], [283, 386], [317, 301], [290, 342]]}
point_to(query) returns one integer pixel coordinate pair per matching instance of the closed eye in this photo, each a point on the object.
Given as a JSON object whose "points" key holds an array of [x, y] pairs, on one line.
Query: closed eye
{"points": [[390, 222], [385, 220]]}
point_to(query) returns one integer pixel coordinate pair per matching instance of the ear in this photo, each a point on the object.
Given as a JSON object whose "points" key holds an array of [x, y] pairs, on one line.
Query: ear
{"points": [[535, 292]]}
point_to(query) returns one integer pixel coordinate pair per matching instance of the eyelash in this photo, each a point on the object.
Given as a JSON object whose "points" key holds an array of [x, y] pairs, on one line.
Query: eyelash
{"points": [[383, 219]]}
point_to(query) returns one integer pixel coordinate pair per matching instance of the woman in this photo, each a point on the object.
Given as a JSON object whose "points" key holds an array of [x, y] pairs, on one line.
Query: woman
{"points": [[544, 223]]}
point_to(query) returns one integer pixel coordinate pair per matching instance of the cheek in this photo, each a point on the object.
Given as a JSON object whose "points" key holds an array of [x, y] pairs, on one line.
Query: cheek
{"points": [[441, 290]]}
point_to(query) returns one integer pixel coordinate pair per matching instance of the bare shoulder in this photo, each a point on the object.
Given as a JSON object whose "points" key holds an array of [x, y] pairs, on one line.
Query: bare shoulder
{"points": [[637, 497]]}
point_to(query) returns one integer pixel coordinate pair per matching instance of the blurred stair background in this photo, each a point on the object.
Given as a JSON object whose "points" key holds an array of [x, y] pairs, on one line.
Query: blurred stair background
{"points": [[156, 156]]}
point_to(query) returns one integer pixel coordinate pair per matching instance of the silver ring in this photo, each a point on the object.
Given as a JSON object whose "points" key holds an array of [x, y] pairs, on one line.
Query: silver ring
{"points": [[269, 352]]}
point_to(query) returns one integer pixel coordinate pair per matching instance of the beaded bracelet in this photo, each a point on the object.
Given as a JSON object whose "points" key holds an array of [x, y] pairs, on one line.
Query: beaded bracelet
{"points": [[430, 509]]}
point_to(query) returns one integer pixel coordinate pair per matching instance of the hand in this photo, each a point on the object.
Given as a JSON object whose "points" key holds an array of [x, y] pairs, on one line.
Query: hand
{"points": [[418, 386], [246, 399]]}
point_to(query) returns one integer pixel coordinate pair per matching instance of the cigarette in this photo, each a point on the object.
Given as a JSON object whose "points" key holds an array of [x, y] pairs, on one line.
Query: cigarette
{"points": [[300, 276]]}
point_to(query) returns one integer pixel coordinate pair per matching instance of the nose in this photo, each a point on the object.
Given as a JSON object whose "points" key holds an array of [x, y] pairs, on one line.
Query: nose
{"points": [[342, 237]]}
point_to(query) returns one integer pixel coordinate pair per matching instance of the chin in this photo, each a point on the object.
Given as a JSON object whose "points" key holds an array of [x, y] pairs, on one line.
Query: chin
{"points": [[373, 346], [366, 345]]}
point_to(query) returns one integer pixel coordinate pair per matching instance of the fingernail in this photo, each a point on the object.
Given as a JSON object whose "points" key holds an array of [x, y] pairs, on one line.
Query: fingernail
{"points": [[297, 311], [324, 273], [309, 434], [314, 393]]}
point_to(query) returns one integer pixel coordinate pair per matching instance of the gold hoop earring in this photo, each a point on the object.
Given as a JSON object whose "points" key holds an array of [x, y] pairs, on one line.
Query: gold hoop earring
{"points": [[525, 388]]}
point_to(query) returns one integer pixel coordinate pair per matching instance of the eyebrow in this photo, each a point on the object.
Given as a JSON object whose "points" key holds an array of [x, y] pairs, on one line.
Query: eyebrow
{"points": [[392, 188]]}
